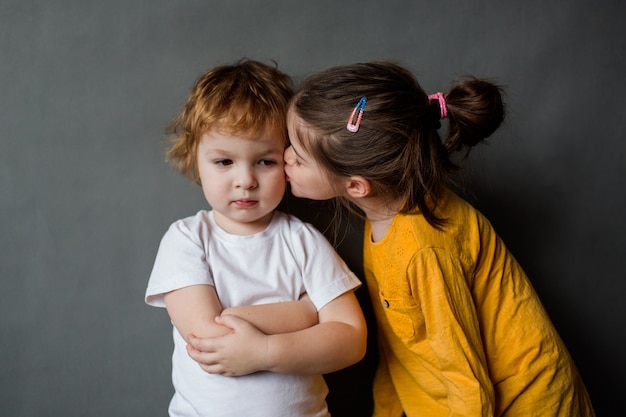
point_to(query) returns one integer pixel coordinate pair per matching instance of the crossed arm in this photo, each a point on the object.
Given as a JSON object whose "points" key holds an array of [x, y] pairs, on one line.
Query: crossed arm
{"points": [[193, 311], [279, 337]]}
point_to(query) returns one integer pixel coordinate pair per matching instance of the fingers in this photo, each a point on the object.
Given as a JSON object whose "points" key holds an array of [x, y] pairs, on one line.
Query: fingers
{"points": [[216, 369], [202, 351], [230, 321], [208, 361], [201, 345]]}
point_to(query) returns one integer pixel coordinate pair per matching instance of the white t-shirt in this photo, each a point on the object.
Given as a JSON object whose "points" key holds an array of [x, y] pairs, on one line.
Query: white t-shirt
{"points": [[281, 263]]}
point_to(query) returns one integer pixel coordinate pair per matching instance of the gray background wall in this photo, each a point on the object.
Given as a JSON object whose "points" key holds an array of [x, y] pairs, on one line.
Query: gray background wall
{"points": [[87, 87]]}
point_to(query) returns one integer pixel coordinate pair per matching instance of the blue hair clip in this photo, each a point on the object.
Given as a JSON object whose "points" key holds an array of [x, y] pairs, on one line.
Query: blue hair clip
{"points": [[353, 126]]}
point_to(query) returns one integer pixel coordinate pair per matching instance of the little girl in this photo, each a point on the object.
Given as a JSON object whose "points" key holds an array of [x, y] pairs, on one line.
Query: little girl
{"points": [[461, 330]]}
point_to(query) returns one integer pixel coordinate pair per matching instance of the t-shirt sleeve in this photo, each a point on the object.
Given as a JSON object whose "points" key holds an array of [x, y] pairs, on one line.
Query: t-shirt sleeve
{"points": [[326, 276], [180, 262]]}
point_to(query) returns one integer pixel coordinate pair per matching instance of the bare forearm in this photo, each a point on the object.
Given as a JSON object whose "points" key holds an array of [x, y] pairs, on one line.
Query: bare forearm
{"points": [[276, 318], [324, 348]]}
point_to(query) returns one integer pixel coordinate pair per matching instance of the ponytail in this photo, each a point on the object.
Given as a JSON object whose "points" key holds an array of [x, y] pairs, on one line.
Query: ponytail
{"points": [[475, 110]]}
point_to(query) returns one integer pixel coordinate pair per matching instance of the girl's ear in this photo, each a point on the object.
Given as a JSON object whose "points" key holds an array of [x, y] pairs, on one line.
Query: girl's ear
{"points": [[358, 187]]}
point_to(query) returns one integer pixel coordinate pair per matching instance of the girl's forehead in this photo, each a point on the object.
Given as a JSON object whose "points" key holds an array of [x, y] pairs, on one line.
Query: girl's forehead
{"points": [[292, 118], [298, 129]]}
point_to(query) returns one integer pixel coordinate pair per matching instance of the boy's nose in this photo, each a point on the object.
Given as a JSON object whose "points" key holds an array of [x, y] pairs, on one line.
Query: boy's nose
{"points": [[246, 179]]}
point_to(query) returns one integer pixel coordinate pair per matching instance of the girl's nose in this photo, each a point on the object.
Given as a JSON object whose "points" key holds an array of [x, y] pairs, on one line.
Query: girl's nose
{"points": [[289, 156]]}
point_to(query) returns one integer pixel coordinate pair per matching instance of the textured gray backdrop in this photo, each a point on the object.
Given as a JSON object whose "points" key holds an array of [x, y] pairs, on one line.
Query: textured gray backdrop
{"points": [[87, 87]]}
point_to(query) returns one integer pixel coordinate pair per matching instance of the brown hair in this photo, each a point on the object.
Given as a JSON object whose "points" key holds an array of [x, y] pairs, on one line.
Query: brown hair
{"points": [[243, 98], [397, 147]]}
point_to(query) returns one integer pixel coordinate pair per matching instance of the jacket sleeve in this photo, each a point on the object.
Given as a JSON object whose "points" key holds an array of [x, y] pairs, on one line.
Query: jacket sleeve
{"points": [[440, 288]]}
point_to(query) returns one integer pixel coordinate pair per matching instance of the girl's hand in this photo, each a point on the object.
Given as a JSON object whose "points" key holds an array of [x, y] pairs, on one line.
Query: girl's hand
{"points": [[241, 352]]}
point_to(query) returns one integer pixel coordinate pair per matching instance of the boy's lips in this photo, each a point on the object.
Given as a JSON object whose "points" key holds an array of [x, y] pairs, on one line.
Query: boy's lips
{"points": [[245, 203]]}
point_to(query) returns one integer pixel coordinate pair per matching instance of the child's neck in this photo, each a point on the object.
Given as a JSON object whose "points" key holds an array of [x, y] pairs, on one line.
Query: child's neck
{"points": [[380, 215], [235, 227]]}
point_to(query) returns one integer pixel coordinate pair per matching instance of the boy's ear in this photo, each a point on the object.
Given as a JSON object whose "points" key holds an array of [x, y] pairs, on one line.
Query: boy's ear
{"points": [[358, 187]]}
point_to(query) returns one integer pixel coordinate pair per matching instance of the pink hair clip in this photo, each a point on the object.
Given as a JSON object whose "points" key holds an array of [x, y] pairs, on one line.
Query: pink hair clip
{"points": [[442, 104], [353, 126]]}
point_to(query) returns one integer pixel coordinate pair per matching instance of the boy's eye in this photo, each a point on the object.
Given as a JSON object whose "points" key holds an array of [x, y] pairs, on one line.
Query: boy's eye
{"points": [[223, 162], [267, 162]]}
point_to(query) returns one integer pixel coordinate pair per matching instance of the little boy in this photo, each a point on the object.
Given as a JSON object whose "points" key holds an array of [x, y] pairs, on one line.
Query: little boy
{"points": [[245, 257]]}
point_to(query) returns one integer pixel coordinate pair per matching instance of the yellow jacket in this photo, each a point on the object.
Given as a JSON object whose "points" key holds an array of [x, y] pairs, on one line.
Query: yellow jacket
{"points": [[461, 330]]}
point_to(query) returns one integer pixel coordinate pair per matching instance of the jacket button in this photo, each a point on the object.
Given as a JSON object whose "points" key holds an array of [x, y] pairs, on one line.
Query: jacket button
{"points": [[385, 303]]}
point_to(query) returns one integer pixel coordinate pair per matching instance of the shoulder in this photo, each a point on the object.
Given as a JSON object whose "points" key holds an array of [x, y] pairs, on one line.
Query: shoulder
{"points": [[460, 216], [201, 218], [452, 205], [302, 235], [466, 234], [197, 226], [294, 225], [463, 226]]}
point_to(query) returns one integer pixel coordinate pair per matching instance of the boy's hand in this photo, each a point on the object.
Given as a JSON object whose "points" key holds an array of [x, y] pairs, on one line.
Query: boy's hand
{"points": [[241, 352]]}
